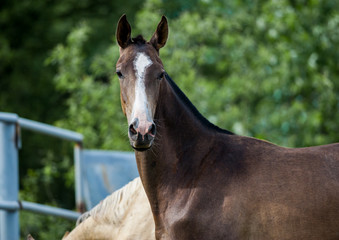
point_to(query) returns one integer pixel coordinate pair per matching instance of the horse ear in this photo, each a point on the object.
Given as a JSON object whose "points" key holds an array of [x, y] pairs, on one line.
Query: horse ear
{"points": [[160, 36], [123, 32]]}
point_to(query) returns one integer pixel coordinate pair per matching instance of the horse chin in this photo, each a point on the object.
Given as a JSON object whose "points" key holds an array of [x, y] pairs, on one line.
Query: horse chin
{"points": [[141, 147]]}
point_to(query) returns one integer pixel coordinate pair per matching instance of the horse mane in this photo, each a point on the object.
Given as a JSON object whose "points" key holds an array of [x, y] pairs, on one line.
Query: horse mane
{"points": [[113, 208], [194, 110]]}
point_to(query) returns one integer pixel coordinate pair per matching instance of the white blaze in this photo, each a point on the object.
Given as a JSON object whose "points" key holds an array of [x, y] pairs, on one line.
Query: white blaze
{"points": [[140, 107]]}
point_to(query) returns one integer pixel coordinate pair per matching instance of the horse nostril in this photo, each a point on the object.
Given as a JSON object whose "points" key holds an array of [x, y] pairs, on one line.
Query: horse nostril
{"points": [[152, 130], [132, 130], [133, 127]]}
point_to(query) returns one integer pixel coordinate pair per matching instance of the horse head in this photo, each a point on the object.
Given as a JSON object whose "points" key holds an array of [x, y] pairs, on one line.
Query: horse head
{"points": [[140, 73]]}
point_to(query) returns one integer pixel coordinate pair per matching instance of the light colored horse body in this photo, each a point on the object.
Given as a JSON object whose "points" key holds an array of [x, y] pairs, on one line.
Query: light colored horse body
{"points": [[124, 215]]}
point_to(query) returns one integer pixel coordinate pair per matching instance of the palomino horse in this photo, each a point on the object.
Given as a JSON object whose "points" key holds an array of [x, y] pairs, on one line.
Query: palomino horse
{"points": [[203, 182], [123, 215]]}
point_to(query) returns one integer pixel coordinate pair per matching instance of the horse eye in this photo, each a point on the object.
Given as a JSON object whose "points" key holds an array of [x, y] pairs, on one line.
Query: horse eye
{"points": [[161, 75], [119, 74]]}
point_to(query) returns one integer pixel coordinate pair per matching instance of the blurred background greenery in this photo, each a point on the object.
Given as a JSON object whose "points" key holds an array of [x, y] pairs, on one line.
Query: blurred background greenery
{"points": [[267, 69]]}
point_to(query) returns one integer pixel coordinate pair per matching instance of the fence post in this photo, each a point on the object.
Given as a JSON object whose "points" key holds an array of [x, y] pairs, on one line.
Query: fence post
{"points": [[9, 185], [80, 205]]}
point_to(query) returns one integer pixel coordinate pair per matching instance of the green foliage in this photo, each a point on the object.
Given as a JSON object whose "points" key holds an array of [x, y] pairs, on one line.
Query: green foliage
{"points": [[43, 227], [29, 31], [94, 105], [265, 69], [50, 183]]}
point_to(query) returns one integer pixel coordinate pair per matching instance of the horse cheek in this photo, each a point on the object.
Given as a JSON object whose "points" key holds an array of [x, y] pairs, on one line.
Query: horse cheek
{"points": [[123, 104]]}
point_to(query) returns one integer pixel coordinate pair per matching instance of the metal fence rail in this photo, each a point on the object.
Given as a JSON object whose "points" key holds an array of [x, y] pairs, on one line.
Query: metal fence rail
{"points": [[10, 142], [50, 130], [39, 208]]}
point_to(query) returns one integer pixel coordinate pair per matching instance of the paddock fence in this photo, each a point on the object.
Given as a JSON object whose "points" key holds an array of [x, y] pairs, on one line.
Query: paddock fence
{"points": [[98, 173], [10, 143]]}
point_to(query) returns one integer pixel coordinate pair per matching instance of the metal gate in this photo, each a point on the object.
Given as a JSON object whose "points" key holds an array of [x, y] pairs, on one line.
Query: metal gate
{"points": [[97, 173]]}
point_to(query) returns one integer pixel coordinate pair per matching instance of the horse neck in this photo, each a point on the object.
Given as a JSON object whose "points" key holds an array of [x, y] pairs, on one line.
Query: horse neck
{"points": [[178, 122], [182, 141]]}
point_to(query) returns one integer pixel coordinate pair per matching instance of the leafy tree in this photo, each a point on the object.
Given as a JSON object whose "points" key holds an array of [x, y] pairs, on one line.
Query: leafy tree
{"points": [[264, 69], [29, 30], [94, 97]]}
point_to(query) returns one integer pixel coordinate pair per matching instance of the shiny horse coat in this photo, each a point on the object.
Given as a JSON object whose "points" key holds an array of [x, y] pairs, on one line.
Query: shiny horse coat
{"points": [[203, 182]]}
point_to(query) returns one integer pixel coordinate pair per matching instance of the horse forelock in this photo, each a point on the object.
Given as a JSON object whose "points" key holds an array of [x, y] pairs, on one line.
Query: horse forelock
{"points": [[139, 40]]}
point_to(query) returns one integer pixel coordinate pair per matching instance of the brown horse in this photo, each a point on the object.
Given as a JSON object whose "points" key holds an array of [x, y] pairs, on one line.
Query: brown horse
{"points": [[207, 183]]}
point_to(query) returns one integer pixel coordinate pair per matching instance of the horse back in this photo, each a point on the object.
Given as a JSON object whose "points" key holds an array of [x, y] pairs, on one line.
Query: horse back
{"points": [[284, 193], [252, 189]]}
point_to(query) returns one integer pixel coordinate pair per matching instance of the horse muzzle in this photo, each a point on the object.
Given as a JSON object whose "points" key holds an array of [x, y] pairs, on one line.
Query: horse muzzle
{"points": [[141, 134]]}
